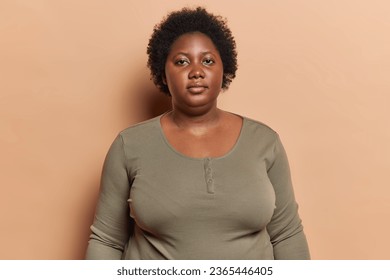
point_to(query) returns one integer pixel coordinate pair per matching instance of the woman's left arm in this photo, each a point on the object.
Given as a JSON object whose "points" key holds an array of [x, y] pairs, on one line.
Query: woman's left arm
{"points": [[285, 229]]}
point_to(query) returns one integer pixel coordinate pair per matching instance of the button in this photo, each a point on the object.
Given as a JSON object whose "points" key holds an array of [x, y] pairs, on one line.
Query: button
{"points": [[210, 187], [208, 170], [209, 181]]}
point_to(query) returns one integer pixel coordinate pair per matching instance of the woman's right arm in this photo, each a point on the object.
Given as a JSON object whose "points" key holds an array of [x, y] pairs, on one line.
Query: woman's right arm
{"points": [[112, 223]]}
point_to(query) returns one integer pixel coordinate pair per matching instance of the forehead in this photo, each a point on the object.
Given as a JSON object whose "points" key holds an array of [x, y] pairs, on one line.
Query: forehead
{"points": [[193, 42]]}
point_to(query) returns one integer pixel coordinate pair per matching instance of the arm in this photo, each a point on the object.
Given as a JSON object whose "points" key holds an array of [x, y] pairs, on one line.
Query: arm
{"points": [[285, 228], [111, 226]]}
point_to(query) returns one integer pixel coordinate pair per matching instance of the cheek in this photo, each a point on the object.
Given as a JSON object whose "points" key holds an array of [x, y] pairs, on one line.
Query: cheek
{"points": [[175, 82], [217, 78]]}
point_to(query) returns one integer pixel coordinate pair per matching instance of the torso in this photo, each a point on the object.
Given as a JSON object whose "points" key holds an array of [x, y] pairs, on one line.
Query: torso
{"points": [[205, 141], [199, 207]]}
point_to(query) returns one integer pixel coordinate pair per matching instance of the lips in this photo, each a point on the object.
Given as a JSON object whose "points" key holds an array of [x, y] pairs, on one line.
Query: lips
{"points": [[197, 88]]}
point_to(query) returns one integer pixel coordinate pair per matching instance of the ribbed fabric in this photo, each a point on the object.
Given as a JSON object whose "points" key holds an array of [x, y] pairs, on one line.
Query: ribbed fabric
{"points": [[156, 203]]}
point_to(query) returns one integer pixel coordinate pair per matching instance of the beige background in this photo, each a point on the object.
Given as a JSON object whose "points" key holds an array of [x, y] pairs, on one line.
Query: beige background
{"points": [[73, 75]]}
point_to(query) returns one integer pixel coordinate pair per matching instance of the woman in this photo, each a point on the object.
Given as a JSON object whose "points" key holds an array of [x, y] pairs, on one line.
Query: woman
{"points": [[196, 182]]}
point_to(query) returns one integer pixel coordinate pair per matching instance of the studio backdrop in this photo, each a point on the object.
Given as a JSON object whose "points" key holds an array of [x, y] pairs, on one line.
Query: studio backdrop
{"points": [[73, 74]]}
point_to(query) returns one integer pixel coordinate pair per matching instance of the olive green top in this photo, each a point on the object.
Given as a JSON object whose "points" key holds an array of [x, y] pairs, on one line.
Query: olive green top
{"points": [[156, 203]]}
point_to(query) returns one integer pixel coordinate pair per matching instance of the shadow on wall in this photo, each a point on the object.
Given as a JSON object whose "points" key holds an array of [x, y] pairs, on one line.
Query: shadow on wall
{"points": [[144, 99]]}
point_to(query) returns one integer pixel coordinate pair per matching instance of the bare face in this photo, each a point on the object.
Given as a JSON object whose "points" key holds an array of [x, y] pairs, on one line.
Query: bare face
{"points": [[194, 72]]}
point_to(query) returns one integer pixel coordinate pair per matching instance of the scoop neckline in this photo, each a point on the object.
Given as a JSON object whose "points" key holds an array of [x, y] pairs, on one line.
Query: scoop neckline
{"points": [[227, 154]]}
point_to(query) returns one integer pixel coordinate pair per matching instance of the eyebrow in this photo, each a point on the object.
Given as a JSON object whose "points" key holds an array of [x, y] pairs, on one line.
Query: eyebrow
{"points": [[187, 54]]}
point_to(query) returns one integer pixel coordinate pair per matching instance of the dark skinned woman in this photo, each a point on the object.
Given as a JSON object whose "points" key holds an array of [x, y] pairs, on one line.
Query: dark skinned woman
{"points": [[196, 182]]}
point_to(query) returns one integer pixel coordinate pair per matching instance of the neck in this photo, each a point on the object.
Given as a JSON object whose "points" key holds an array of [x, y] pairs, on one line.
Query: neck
{"points": [[198, 123]]}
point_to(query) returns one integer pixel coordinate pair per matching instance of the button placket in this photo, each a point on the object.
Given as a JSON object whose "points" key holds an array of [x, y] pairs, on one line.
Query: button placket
{"points": [[209, 175]]}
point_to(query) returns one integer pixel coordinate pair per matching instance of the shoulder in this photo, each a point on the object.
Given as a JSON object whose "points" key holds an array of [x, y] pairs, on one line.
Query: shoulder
{"points": [[141, 135], [264, 139], [257, 128], [141, 139], [141, 129]]}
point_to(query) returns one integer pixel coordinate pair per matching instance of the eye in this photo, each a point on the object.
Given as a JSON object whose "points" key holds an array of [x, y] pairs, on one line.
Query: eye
{"points": [[181, 62], [208, 61]]}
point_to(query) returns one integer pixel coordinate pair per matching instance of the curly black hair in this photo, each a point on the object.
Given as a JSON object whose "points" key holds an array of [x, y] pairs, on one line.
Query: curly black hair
{"points": [[185, 21]]}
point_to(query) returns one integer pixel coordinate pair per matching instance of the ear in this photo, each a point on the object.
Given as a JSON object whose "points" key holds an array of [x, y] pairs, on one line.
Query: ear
{"points": [[164, 79]]}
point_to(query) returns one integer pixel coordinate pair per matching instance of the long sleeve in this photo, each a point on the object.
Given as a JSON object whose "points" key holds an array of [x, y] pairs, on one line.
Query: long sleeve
{"points": [[172, 209], [285, 229], [111, 226]]}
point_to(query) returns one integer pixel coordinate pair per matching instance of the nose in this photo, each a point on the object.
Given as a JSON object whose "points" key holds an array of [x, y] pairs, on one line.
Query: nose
{"points": [[196, 72]]}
